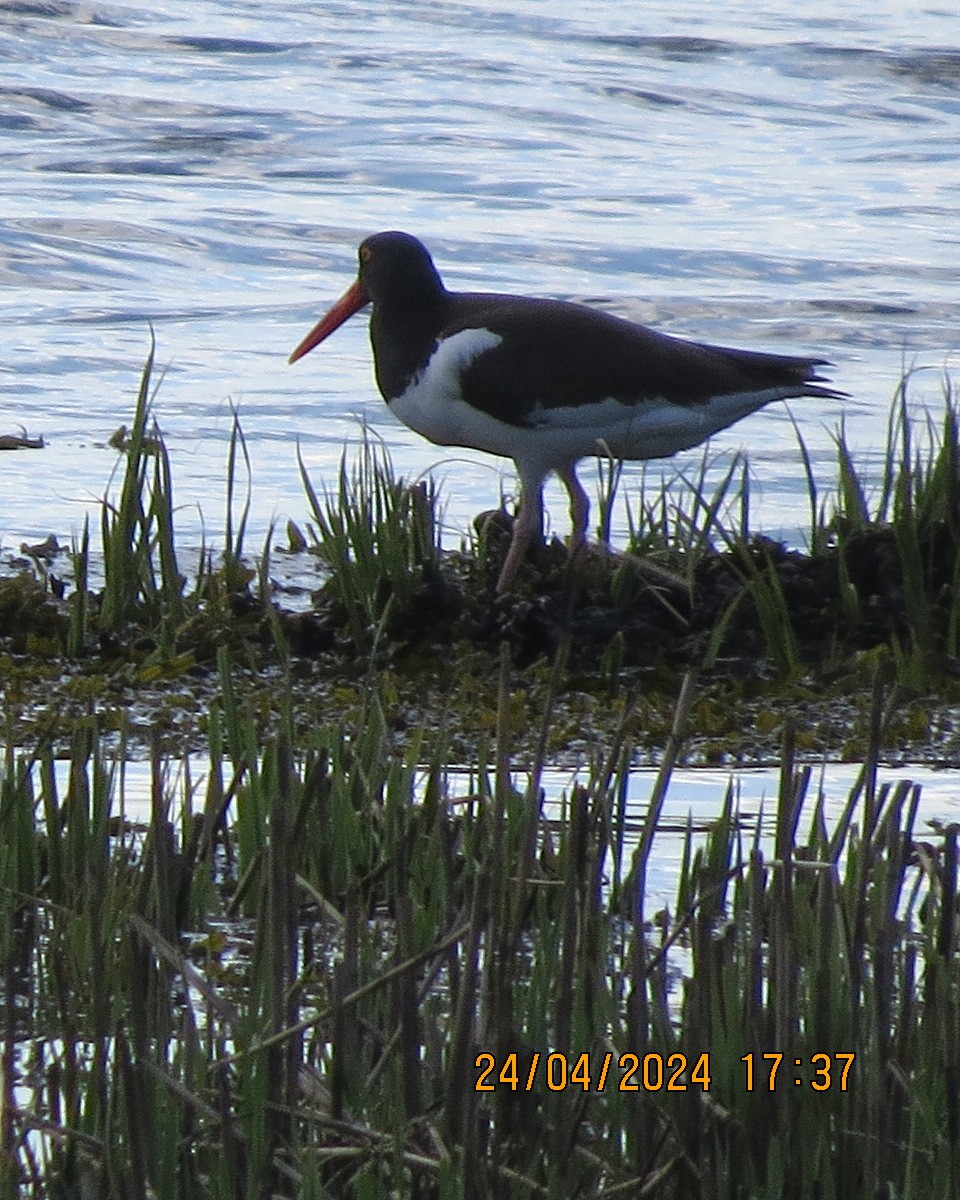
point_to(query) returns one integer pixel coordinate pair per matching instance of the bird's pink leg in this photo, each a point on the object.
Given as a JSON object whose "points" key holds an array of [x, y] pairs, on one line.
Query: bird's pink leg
{"points": [[579, 505], [527, 526]]}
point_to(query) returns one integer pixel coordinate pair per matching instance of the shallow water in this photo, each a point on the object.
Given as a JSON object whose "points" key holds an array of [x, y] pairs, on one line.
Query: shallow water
{"points": [[779, 177]]}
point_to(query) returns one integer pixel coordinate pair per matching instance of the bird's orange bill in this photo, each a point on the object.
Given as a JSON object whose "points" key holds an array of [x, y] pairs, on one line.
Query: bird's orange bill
{"points": [[352, 300]]}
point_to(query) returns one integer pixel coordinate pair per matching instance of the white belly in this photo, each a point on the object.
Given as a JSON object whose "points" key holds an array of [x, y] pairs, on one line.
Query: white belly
{"points": [[556, 437], [431, 404]]}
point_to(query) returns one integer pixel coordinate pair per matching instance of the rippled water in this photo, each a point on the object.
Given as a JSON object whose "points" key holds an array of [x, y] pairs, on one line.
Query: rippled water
{"points": [[776, 176]]}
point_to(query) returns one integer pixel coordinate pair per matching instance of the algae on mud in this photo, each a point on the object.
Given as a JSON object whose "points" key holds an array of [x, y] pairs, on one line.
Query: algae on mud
{"points": [[440, 658]]}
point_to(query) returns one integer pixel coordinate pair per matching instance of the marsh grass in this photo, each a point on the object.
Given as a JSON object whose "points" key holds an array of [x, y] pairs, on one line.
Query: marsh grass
{"points": [[141, 578], [917, 504], [379, 536], [691, 523], [145, 595], [914, 507], [293, 978], [919, 501]]}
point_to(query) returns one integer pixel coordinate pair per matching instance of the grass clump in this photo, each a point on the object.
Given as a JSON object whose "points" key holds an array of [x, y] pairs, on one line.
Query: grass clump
{"points": [[147, 608], [881, 567], [380, 538], [141, 577], [918, 509]]}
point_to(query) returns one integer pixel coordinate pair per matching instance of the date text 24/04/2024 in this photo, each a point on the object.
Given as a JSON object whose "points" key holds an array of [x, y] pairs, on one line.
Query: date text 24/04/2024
{"points": [[677, 1072]]}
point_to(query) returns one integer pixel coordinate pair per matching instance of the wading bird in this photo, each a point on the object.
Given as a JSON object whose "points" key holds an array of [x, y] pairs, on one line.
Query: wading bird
{"points": [[545, 382]]}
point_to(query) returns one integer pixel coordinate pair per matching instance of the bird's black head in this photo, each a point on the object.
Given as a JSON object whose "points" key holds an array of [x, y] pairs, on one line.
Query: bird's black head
{"points": [[397, 268], [396, 273]]}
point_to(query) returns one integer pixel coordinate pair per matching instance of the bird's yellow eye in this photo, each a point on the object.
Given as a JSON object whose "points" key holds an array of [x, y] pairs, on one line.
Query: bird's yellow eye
{"points": [[365, 254]]}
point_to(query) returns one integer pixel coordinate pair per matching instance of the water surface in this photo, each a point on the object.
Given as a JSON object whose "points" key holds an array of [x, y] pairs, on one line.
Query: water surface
{"points": [[775, 176]]}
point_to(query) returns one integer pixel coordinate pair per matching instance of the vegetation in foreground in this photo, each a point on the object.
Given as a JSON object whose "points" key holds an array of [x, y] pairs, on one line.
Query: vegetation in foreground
{"points": [[320, 973]]}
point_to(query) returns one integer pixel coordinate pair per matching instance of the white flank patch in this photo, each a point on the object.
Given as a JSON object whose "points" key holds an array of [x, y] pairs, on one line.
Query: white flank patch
{"points": [[558, 437], [431, 404]]}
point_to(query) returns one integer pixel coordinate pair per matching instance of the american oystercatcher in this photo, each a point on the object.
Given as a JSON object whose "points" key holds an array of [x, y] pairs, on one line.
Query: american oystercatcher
{"points": [[545, 382]]}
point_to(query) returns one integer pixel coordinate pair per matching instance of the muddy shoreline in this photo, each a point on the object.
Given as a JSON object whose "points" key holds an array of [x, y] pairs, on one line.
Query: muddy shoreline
{"points": [[624, 629]]}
